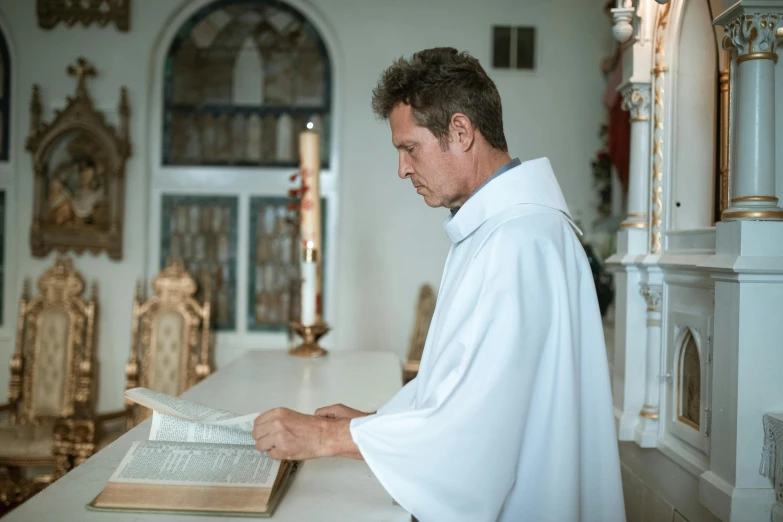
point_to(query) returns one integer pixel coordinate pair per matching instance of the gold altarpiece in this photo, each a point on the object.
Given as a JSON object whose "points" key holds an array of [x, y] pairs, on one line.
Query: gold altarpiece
{"points": [[79, 167]]}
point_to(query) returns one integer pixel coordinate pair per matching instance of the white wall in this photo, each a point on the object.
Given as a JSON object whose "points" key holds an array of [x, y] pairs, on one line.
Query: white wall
{"points": [[390, 242]]}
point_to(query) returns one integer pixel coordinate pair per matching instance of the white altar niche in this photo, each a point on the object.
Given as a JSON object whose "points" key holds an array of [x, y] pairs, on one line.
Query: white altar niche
{"points": [[699, 264]]}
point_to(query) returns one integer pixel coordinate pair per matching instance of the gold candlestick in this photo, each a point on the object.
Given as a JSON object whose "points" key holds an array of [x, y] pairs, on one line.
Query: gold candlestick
{"points": [[310, 335]]}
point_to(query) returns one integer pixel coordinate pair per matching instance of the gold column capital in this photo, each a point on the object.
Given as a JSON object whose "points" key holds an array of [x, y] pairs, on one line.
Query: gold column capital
{"points": [[752, 34], [636, 100]]}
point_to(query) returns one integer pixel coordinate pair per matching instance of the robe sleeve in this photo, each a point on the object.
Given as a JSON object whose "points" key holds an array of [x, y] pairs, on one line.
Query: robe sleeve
{"points": [[453, 455]]}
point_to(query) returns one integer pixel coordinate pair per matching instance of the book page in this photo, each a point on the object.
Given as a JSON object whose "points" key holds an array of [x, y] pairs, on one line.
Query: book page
{"points": [[185, 464], [172, 429], [189, 410]]}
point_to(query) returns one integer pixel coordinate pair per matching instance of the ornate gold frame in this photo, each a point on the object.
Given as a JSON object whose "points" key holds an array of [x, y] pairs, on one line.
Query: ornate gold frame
{"points": [[174, 290], [52, 12], [79, 117]]}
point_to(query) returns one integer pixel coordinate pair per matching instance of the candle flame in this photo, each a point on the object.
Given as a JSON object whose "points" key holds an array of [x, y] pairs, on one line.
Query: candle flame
{"points": [[310, 125], [310, 244]]}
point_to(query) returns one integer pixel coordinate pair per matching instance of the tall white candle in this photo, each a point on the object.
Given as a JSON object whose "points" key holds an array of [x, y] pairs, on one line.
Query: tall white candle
{"points": [[308, 269], [310, 217]]}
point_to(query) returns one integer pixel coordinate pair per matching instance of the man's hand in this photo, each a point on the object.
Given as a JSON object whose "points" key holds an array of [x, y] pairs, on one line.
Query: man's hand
{"points": [[339, 411], [288, 435]]}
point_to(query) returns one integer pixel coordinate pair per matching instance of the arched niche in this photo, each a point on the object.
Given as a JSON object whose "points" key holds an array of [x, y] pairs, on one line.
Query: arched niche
{"points": [[688, 407], [233, 64], [695, 165]]}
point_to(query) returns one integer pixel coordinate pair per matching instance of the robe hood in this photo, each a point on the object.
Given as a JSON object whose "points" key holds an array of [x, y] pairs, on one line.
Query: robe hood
{"points": [[530, 183]]}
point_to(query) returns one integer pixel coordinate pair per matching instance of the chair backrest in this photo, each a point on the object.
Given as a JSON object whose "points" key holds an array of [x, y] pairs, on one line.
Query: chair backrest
{"points": [[425, 307], [170, 334], [51, 369]]}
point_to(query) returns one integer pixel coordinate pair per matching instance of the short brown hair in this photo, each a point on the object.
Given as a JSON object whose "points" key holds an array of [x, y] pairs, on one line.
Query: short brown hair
{"points": [[437, 83]]}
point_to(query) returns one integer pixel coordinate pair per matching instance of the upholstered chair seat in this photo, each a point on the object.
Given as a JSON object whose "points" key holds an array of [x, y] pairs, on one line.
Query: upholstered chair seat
{"points": [[27, 441]]}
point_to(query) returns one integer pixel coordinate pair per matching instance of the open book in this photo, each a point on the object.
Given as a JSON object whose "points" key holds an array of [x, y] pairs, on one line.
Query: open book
{"points": [[197, 460]]}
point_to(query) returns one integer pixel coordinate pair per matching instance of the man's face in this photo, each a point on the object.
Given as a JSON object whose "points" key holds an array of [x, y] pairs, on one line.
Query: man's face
{"points": [[434, 172]]}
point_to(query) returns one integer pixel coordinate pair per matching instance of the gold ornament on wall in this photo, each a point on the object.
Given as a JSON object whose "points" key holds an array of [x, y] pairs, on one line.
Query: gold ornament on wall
{"points": [[79, 167], [86, 12]]}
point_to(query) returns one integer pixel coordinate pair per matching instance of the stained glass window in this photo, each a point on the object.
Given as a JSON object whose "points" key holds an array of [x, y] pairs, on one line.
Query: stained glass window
{"points": [[202, 231], [690, 383], [5, 97], [242, 79], [274, 264]]}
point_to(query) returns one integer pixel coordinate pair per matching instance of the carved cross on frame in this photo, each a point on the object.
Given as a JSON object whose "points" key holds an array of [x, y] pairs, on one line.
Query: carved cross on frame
{"points": [[82, 69]]}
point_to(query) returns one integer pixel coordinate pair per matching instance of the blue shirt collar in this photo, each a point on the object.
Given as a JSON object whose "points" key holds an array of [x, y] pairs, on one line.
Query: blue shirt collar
{"points": [[508, 166]]}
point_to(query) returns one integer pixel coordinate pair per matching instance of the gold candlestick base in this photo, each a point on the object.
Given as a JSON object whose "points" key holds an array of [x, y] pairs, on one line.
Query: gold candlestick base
{"points": [[310, 335]]}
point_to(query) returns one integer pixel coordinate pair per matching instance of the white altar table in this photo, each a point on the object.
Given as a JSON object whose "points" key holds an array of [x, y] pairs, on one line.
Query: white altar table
{"points": [[323, 490]]}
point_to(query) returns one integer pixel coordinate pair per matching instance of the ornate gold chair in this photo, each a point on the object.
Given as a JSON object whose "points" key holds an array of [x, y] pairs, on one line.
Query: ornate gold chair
{"points": [[48, 416], [425, 307], [170, 337]]}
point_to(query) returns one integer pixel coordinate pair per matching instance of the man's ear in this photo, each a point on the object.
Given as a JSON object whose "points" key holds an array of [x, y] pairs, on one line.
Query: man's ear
{"points": [[463, 131]]}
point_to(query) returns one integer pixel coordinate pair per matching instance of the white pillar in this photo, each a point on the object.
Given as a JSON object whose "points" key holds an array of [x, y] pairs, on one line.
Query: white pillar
{"points": [[636, 100], [753, 33], [647, 429]]}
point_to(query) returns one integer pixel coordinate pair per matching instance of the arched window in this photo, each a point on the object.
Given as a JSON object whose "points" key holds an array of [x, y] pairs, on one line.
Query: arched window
{"points": [[242, 79], [5, 120], [5, 97]]}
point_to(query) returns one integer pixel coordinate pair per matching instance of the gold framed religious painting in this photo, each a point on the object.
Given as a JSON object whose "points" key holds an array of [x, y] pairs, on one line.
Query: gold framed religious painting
{"points": [[79, 168]]}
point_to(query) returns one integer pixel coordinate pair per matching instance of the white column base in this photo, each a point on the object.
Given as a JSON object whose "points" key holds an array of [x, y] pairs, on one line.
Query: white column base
{"points": [[647, 433], [732, 504], [626, 423], [777, 513]]}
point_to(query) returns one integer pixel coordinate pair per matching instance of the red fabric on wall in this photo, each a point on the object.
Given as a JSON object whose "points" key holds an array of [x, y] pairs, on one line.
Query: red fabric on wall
{"points": [[619, 136]]}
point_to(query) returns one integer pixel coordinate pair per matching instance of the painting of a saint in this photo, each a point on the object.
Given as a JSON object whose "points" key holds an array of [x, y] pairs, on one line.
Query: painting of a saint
{"points": [[76, 190]]}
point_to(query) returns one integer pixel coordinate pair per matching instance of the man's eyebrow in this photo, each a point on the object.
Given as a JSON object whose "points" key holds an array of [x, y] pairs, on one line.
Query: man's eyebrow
{"points": [[403, 144]]}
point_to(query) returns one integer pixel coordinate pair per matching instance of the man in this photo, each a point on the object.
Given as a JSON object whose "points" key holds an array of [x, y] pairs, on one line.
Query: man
{"points": [[510, 415]]}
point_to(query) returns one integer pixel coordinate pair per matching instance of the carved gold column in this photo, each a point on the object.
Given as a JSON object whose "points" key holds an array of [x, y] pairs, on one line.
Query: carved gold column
{"points": [[636, 100], [724, 80], [647, 430], [751, 30]]}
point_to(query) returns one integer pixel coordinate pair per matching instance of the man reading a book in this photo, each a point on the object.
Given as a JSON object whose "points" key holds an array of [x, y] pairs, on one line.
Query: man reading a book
{"points": [[510, 417]]}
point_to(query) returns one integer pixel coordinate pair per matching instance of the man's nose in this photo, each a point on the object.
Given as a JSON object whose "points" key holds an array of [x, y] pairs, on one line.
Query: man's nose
{"points": [[404, 169]]}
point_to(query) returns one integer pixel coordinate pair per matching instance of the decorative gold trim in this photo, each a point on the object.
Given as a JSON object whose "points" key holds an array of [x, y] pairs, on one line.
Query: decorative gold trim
{"points": [[752, 214], [771, 199], [640, 118], [636, 215], [633, 224], [648, 414], [659, 71], [757, 56], [52, 12], [779, 33]]}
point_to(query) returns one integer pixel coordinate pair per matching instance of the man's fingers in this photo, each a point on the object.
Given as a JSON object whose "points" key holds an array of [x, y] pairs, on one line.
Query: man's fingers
{"points": [[268, 415], [323, 412], [265, 443]]}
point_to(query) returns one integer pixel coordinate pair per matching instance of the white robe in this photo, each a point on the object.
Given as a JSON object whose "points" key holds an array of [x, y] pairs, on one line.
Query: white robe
{"points": [[510, 417]]}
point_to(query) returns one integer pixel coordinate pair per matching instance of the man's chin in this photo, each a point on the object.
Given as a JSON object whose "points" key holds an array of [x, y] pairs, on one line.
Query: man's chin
{"points": [[432, 203]]}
